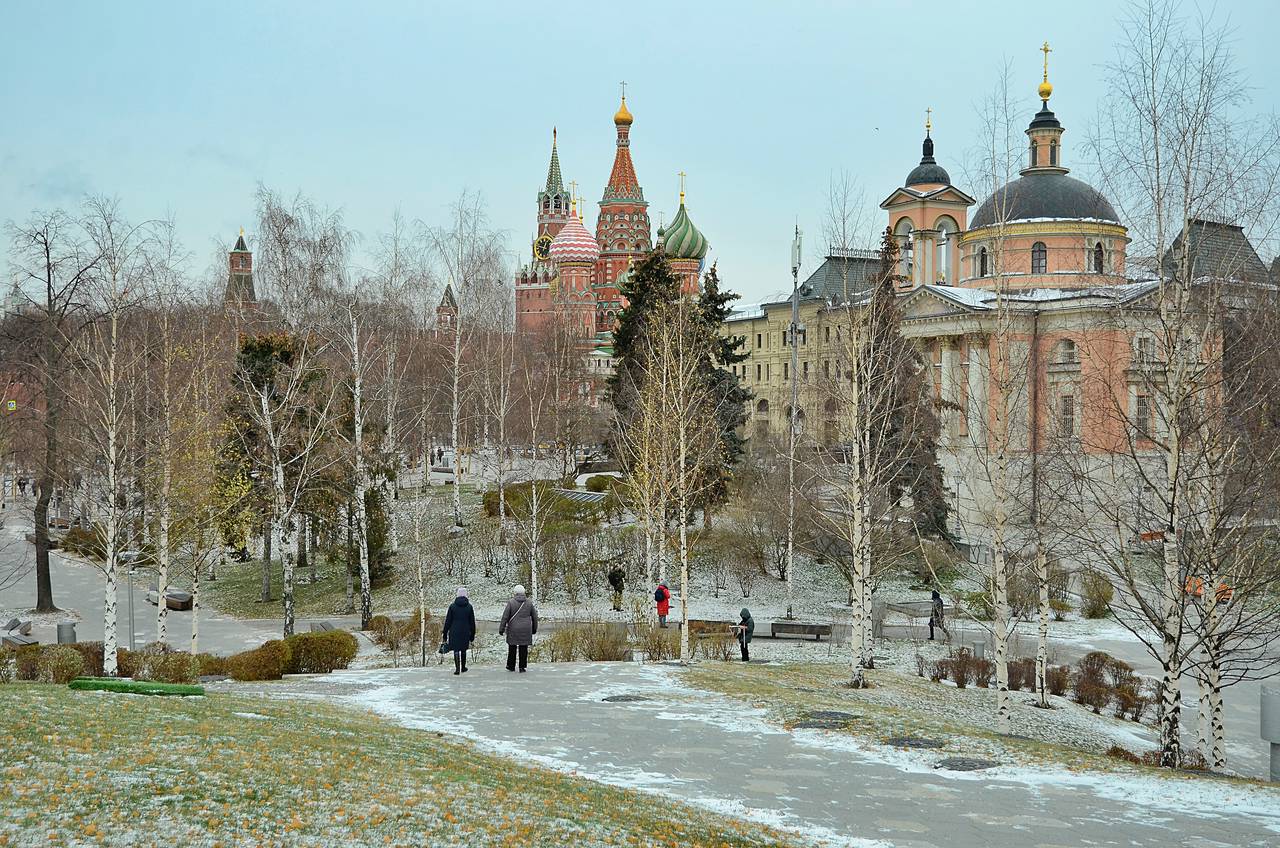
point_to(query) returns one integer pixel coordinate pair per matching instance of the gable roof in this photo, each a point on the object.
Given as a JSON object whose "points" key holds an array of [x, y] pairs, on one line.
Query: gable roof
{"points": [[1215, 249]]}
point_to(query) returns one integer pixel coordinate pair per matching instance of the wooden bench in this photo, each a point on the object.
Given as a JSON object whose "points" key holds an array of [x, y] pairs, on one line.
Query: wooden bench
{"points": [[321, 627], [17, 640], [799, 628], [180, 601]]}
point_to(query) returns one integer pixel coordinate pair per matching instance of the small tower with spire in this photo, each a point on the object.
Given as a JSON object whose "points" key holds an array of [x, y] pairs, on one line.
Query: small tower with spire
{"points": [[1045, 131], [622, 228], [240, 275], [553, 200]]}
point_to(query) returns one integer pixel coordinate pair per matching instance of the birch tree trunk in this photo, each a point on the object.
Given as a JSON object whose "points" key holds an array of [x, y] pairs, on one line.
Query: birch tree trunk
{"points": [[1042, 633]]}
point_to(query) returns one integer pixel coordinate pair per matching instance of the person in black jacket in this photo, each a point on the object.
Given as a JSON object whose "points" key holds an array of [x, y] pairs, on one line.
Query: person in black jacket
{"points": [[617, 578], [746, 628], [460, 629]]}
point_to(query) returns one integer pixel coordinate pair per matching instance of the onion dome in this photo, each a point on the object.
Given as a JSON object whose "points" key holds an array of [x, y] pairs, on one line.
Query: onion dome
{"points": [[623, 117], [574, 243], [681, 239]]}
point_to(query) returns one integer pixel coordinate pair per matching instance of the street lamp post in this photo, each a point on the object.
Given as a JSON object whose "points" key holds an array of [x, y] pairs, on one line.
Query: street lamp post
{"points": [[792, 418]]}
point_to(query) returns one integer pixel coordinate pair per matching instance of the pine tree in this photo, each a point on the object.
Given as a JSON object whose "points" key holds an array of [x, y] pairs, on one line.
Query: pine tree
{"points": [[731, 397]]}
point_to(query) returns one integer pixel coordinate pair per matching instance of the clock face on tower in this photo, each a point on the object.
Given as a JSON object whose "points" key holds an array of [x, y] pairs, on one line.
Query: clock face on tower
{"points": [[542, 247]]}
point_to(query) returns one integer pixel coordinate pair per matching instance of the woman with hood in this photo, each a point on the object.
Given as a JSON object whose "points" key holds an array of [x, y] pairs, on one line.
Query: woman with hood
{"points": [[460, 629], [746, 628], [519, 623], [662, 597]]}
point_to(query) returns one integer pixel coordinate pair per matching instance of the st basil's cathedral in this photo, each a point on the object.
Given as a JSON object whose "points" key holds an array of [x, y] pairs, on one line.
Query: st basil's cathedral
{"points": [[575, 276]]}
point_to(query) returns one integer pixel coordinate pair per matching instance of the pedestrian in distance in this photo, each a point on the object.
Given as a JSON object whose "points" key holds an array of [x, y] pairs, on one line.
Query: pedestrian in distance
{"points": [[460, 629], [745, 628], [616, 579], [662, 596], [936, 617], [519, 623]]}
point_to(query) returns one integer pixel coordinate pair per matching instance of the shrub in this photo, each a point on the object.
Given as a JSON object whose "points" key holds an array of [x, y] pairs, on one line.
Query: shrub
{"points": [[321, 653], [961, 667], [1097, 593], [26, 661], [1059, 583], [1090, 693], [7, 670], [1191, 760], [1123, 754], [656, 643], [91, 652], [162, 664], [604, 642], [600, 483], [60, 664], [716, 646], [979, 605], [1090, 686], [1057, 678], [1022, 674], [1060, 608], [266, 662], [212, 665], [382, 628], [938, 670], [85, 541], [564, 645], [983, 670], [920, 664], [127, 662]]}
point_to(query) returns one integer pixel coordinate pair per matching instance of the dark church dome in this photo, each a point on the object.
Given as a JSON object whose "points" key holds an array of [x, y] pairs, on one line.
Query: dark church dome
{"points": [[1045, 194], [928, 171]]}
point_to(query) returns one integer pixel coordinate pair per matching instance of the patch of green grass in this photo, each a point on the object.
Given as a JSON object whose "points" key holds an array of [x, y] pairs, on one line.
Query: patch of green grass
{"points": [[98, 768], [132, 687], [238, 591]]}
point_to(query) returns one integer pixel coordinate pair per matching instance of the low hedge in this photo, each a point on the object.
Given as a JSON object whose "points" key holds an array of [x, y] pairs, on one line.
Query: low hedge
{"points": [[320, 653], [211, 664], [160, 663], [268, 661], [133, 687], [60, 664]]}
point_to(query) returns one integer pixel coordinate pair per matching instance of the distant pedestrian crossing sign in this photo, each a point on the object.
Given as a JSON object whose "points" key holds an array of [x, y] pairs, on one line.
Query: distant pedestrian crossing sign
{"points": [[11, 405]]}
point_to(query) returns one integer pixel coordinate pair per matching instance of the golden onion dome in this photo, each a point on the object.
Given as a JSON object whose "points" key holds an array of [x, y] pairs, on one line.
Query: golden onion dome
{"points": [[623, 117]]}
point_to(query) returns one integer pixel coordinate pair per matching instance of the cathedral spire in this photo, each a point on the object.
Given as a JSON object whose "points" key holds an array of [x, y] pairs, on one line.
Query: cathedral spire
{"points": [[555, 183], [623, 184]]}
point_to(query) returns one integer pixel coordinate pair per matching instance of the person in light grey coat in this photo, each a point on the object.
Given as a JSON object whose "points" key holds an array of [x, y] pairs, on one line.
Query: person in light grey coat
{"points": [[519, 623]]}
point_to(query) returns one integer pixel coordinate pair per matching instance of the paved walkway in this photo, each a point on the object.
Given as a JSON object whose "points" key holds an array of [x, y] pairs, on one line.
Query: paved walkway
{"points": [[715, 752]]}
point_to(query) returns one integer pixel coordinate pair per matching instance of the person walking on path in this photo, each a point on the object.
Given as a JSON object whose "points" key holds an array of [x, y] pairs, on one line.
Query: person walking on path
{"points": [[936, 618], [616, 578], [662, 595], [746, 629], [519, 623], [460, 629]]}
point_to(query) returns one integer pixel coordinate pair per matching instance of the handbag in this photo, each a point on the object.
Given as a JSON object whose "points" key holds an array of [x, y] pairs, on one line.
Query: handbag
{"points": [[444, 648]]}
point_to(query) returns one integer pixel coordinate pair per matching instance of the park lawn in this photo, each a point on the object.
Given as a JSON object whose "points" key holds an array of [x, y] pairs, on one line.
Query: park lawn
{"points": [[238, 591], [93, 768], [903, 704]]}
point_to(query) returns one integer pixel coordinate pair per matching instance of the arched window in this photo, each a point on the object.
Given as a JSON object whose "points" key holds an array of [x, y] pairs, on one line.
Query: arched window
{"points": [[982, 262], [762, 407], [946, 243], [1099, 258], [1067, 351], [1053, 153], [903, 233], [1039, 258], [1033, 153]]}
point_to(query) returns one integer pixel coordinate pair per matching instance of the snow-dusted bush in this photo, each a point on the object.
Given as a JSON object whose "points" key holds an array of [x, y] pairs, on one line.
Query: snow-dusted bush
{"points": [[1097, 594], [60, 664], [160, 663]]}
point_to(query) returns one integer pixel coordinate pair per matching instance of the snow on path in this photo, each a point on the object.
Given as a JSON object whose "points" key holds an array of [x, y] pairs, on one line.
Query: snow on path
{"points": [[717, 753]]}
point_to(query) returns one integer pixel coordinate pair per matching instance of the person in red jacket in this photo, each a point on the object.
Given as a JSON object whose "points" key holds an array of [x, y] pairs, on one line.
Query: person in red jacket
{"points": [[663, 597]]}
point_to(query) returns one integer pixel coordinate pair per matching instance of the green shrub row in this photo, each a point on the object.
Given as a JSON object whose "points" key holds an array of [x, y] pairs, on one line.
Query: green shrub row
{"points": [[321, 653]]}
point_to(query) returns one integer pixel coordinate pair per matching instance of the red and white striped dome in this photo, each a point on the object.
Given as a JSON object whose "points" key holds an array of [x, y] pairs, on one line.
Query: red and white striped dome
{"points": [[574, 243]]}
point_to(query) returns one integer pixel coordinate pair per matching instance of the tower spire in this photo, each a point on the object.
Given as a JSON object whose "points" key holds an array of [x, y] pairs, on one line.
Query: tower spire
{"points": [[681, 175], [1046, 90], [928, 120], [555, 183]]}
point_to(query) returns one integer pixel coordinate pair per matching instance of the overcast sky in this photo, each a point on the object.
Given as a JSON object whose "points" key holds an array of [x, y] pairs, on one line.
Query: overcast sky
{"points": [[182, 108]]}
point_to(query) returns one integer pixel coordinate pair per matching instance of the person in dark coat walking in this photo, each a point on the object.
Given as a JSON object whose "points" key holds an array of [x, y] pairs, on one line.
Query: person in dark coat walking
{"points": [[519, 623], [936, 618], [616, 578], [746, 629], [460, 629]]}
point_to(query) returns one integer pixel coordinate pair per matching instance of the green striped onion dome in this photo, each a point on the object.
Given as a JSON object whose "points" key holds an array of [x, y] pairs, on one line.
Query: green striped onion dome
{"points": [[681, 239]]}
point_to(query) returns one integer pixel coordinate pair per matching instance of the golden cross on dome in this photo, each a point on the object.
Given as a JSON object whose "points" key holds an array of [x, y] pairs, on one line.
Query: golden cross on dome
{"points": [[1046, 51], [573, 196], [624, 89], [928, 120], [681, 175]]}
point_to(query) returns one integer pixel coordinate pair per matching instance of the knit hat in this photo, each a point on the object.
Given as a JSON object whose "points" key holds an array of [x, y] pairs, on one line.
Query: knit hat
{"points": [[519, 590], [462, 591]]}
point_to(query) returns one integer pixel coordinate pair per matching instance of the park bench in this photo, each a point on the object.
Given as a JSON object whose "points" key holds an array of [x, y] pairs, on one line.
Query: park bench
{"points": [[11, 624], [799, 628], [321, 627], [17, 640]]}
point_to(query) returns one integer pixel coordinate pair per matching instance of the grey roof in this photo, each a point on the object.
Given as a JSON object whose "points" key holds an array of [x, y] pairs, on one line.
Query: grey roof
{"points": [[928, 171], [842, 273], [577, 496], [1216, 250], [1045, 194]]}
